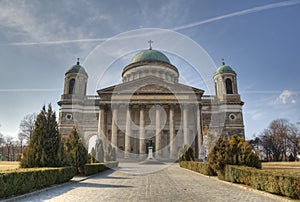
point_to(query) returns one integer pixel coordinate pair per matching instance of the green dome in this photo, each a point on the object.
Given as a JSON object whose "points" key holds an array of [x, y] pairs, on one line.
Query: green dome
{"points": [[150, 55], [224, 69], [77, 69]]}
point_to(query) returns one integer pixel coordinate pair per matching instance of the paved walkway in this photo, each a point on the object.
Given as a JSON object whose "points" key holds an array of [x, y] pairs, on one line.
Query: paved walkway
{"points": [[169, 184]]}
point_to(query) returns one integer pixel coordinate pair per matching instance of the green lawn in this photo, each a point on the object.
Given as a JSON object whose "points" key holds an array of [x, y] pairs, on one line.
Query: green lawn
{"points": [[9, 165], [293, 167]]}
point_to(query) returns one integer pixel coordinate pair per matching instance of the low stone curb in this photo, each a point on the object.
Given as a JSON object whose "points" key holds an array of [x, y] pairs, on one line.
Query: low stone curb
{"points": [[241, 186]]}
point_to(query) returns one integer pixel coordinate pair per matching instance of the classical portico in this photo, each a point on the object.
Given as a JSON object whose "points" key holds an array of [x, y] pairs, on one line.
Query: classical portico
{"points": [[157, 110]]}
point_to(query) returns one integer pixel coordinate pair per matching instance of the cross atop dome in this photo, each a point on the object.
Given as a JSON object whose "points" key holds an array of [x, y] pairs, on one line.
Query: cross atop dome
{"points": [[150, 42], [78, 63]]}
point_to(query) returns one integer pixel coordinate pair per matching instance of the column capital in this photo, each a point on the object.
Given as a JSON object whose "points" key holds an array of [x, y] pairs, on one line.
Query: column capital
{"points": [[142, 106], [171, 105], [186, 106], [103, 107], [115, 106], [157, 106]]}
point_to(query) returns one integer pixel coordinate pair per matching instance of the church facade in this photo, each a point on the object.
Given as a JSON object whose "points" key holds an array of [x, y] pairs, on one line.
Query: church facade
{"points": [[150, 107]]}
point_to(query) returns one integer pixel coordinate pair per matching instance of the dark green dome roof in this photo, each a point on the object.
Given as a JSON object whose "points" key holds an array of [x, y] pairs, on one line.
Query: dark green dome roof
{"points": [[150, 55], [77, 69], [224, 69]]}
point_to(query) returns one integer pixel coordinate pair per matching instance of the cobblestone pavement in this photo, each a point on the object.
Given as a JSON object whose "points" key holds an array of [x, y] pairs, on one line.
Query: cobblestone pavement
{"points": [[169, 184]]}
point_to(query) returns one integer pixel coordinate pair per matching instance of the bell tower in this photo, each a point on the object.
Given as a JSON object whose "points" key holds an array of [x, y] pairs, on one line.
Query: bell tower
{"points": [[74, 92], [225, 81], [229, 101]]}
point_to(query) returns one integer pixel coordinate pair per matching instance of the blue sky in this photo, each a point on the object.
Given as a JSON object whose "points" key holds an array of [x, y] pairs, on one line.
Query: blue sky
{"points": [[40, 40]]}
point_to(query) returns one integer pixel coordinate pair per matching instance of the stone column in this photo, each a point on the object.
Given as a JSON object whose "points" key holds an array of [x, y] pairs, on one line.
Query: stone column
{"points": [[157, 133], [128, 133], [100, 122], [200, 134], [172, 132], [100, 128], [142, 149], [185, 125], [114, 127], [102, 125]]}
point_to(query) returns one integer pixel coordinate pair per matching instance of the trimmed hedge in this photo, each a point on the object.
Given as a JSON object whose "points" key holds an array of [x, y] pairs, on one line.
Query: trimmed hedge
{"points": [[91, 169], [274, 182], [200, 167], [27, 180]]}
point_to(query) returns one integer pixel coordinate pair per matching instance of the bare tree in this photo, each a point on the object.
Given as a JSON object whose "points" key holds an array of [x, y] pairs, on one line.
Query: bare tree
{"points": [[27, 127], [293, 140], [8, 143], [280, 139], [21, 138], [1, 139], [2, 143]]}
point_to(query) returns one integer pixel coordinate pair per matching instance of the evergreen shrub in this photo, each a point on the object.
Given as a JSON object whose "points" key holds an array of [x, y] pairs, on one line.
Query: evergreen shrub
{"points": [[91, 169], [232, 150], [200, 167], [286, 184], [27, 180], [186, 153]]}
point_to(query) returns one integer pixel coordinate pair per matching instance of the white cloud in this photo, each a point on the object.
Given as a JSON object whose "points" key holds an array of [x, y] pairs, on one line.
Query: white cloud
{"points": [[239, 13], [18, 15], [286, 97], [255, 115], [33, 26]]}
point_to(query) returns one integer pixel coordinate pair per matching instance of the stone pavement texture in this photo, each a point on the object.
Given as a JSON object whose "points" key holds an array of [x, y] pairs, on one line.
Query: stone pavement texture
{"points": [[169, 184]]}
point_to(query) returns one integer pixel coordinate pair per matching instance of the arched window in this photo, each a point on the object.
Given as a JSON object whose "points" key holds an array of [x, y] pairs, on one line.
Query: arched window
{"points": [[71, 86], [228, 86]]}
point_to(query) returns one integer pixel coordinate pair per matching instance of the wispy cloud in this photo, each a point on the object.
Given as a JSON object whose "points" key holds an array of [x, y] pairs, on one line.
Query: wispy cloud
{"points": [[26, 22], [286, 97], [239, 13], [255, 115], [29, 90], [58, 42]]}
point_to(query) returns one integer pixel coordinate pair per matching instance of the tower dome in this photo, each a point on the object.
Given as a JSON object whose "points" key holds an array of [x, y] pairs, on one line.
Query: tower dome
{"points": [[149, 56], [150, 63], [224, 69], [225, 82], [76, 80], [77, 68]]}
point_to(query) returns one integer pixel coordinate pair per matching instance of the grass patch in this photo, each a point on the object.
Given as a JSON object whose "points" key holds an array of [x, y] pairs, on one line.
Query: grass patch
{"points": [[283, 164], [9, 165], [286, 167]]}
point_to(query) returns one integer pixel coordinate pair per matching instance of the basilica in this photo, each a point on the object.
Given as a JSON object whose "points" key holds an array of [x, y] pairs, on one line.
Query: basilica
{"points": [[151, 108]]}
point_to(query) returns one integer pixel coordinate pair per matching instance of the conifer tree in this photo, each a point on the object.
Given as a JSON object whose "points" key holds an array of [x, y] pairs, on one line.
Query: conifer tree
{"points": [[45, 143], [232, 150], [186, 153], [76, 153]]}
